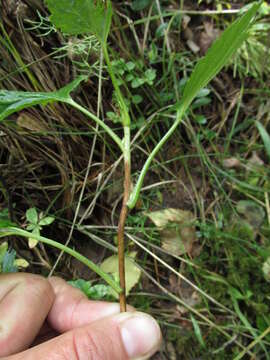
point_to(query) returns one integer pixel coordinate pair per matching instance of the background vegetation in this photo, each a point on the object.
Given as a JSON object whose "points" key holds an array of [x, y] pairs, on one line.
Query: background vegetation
{"points": [[199, 235]]}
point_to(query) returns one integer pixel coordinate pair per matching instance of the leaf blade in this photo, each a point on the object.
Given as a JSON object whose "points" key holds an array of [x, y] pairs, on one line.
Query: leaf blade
{"points": [[218, 55], [14, 101], [265, 137], [81, 17]]}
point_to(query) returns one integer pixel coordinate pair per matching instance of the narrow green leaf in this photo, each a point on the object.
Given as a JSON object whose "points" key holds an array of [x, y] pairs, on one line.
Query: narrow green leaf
{"points": [[81, 16], [218, 55], [265, 137], [13, 101], [3, 250], [197, 331]]}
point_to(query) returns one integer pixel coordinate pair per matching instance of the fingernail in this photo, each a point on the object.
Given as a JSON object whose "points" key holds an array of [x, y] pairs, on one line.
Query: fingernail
{"points": [[140, 333]]}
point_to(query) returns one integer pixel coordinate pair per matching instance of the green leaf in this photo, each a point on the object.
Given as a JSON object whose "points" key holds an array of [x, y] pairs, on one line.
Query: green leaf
{"points": [[3, 250], [218, 55], [197, 331], [13, 101], [98, 292], [32, 215], [81, 284], [265, 137], [46, 221], [138, 5], [4, 219], [30, 227], [33, 242], [95, 292], [8, 262], [81, 17]]}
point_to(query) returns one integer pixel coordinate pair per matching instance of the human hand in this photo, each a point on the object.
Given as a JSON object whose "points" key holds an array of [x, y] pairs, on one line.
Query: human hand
{"points": [[33, 310]]}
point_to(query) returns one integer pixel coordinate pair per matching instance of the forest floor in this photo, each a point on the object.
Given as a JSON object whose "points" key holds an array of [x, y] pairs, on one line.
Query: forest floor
{"points": [[200, 231]]}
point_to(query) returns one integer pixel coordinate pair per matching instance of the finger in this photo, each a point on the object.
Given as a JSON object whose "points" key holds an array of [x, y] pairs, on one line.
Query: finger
{"points": [[121, 337], [25, 301], [72, 308]]}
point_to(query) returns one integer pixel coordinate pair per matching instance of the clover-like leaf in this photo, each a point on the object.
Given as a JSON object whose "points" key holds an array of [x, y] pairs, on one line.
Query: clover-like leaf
{"points": [[32, 215], [81, 17], [95, 292], [46, 221]]}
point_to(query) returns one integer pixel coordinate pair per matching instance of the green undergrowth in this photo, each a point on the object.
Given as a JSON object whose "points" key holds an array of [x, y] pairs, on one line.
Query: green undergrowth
{"points": [[215, 166]]}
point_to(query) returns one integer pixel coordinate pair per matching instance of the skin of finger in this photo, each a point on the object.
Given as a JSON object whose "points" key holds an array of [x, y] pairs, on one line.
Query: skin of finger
{"points": [[25, 301], [99, 340], [72, 309]]}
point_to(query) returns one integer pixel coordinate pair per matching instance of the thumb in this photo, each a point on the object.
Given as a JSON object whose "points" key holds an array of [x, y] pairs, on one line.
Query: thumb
{"points": [[120, 337]]}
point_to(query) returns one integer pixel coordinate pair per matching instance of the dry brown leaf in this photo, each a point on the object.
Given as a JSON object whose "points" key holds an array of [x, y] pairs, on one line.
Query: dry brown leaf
{"points": [[231, 163], [177, 230], [208, 36], [27, 122], [254, 160], [193, 46]]}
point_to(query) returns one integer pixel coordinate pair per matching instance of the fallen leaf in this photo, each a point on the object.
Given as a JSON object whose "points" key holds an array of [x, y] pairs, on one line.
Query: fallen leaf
{"points": [[231, 163], [193, 46], [27, 122], [185, 21], [254, 160], [133, 273], [208, 36], [253, 212], [177, 230]]}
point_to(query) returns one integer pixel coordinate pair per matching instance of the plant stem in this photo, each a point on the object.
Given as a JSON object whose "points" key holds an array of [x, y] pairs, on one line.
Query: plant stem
{"points": [[136, 191], [108, 130], [123, 107], [122, 220], [125, 119], [19, 232]]}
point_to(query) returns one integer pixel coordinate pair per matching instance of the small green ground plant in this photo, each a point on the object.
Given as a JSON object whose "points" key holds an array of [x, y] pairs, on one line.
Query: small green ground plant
{"points": [[89, 17]]}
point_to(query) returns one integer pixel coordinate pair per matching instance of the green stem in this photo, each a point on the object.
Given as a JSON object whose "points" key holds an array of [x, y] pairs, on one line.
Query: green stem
{"points": [[19, 232], [123, 108], [108, 130], [136, 191]]}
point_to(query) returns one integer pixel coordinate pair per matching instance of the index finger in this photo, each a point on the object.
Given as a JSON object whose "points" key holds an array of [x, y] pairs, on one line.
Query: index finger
{"points": [[72, 309]]}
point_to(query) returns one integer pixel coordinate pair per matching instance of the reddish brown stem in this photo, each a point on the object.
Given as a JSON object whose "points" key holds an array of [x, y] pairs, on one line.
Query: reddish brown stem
{"points": [[121, 238]]}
